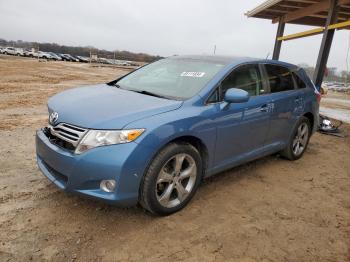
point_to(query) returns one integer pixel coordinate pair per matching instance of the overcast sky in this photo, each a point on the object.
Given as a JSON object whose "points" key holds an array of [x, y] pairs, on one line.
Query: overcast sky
{"points": [[160, 27]]}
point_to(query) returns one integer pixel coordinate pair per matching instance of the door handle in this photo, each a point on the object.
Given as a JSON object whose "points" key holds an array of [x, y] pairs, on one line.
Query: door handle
{"points": [[264, 108]]}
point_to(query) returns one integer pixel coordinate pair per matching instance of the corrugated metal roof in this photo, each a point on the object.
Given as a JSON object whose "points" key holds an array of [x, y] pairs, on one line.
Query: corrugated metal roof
{"points": [[305, 12], [262, 7]]}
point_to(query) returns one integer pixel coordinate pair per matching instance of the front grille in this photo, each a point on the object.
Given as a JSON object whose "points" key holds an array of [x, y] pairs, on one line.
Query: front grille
{"points": [[65, 135], [69, 133]]}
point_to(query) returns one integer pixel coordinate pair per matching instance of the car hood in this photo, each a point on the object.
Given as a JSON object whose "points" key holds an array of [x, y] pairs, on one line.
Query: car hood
{"points": [[106, 107]]}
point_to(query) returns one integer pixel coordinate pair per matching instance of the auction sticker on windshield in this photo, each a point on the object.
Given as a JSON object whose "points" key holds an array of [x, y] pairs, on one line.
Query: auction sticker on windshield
{"points": [[193, 74]]}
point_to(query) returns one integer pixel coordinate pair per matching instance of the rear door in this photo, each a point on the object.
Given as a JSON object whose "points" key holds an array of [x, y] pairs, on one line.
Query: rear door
{"points": [[287, 103]]}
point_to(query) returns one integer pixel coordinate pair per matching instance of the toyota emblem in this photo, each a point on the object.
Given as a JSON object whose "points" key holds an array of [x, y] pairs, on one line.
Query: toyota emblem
{"points": [[53, 118]]}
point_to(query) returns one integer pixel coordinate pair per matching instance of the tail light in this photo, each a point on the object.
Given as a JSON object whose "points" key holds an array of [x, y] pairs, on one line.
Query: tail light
{"points": [[317, 93], [318, 96]]}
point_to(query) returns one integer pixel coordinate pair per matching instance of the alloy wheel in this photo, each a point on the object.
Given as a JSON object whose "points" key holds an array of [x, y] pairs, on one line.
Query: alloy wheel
{"points": [[176, 180], [300, 139]]}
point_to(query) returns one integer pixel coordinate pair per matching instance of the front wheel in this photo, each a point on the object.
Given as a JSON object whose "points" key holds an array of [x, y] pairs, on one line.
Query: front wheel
{"points": [[299, 140], [172, 179]]}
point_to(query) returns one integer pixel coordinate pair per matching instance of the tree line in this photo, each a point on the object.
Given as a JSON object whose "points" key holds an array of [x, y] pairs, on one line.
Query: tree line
{"points": [[81, 50]]}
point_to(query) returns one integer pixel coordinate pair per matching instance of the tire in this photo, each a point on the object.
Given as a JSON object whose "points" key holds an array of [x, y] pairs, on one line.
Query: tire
{"points": [[172, 179], [299, 140]]}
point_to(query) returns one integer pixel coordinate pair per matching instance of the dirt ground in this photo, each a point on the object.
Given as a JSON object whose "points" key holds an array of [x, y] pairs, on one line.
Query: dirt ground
{"points": [[268, 210]]}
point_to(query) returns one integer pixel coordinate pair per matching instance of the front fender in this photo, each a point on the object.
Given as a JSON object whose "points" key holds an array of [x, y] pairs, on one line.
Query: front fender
{"points": [[189, 121]]}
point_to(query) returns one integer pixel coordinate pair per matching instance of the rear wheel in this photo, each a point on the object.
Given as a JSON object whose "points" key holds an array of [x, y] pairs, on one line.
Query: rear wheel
{"points": [[299, 140], [172, 179]]}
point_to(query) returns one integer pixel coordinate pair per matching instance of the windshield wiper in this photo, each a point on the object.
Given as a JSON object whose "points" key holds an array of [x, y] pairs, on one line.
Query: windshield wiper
{"points": [[149, 93], [144, 92], [116, 85]]}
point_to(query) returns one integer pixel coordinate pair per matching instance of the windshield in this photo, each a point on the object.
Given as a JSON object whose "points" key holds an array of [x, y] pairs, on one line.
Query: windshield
{"points": [[171, 78]]}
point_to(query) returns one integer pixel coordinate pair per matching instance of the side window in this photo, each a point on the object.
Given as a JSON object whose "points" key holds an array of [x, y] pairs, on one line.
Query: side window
{"points": [[300, 83], [246, 77], [214, 97], [280, 78]]}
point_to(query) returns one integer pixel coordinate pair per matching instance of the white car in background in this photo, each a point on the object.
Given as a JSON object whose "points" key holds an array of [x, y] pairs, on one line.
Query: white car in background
{"points": [[40, 54], [45, 55], [13, 51], [31, 53]]}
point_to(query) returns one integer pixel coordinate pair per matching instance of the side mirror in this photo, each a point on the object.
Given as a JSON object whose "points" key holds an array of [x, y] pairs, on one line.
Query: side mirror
{"points": [[235, 95]]}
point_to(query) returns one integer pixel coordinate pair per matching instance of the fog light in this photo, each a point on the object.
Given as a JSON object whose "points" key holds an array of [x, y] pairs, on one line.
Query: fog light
{"points": [[108, 185]]}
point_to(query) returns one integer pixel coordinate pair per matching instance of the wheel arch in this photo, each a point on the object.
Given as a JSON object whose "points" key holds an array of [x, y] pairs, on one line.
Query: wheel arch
{"points": [[190, 139], [197, 143], [311, 118]]}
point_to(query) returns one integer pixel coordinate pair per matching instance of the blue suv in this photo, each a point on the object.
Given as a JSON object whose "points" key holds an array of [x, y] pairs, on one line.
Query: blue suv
{"points": [[151, 136]]}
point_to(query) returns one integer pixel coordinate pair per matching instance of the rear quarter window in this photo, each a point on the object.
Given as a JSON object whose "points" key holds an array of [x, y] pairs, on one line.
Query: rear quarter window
{"points": [[299, 82]]}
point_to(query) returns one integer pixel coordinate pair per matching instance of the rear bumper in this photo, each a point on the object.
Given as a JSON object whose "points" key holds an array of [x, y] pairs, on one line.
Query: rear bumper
{"points": [[83, 173]]}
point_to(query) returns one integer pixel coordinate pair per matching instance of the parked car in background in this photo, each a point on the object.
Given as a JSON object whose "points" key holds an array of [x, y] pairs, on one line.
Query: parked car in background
{"points": [[26, 52], [151, 136], [63, 57], [71, 58], [45, 55], [76, 58], [66, 57], [31, 53], [12, 51], [83, 59], [19, 51], [9, 51], [55, 56], [104, 60], [131, 63], [38, 54], [121, 62]]}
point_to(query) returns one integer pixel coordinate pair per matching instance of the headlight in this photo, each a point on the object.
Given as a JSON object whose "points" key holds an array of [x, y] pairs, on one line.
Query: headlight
{"points": [[95, 138]]}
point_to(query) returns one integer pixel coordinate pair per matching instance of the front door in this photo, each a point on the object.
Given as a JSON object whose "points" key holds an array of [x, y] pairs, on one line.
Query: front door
{"points": [[242, 127]]}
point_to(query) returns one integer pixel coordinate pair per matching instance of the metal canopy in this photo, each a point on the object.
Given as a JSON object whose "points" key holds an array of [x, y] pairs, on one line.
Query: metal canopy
{"points": [[303, 12], [328, 15]]}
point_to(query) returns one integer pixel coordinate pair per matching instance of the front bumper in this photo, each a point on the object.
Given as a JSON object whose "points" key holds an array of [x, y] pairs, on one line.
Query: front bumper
{"points": [[83, 173]]}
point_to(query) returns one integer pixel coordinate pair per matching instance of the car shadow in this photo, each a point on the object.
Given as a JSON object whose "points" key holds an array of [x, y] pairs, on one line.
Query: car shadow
{"points": [[223, 179]]}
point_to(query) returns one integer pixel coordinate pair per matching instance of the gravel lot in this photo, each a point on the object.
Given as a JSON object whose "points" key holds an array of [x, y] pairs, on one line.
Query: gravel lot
{"points": [[268, 210]]}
